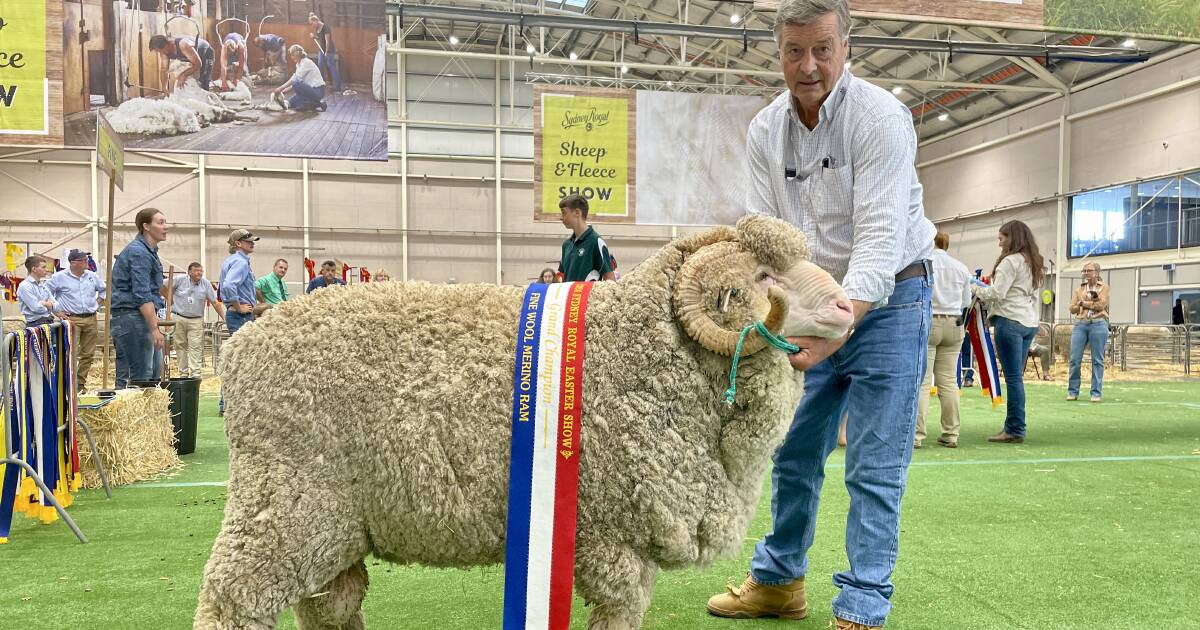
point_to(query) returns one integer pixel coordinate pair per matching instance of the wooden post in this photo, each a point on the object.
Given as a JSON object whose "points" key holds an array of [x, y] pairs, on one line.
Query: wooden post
{"points": [[108, 281]]}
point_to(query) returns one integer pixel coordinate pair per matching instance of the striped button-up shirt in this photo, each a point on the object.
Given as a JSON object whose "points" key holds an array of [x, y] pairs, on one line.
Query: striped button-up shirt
{"points": [[30, 294], [850, 184]]}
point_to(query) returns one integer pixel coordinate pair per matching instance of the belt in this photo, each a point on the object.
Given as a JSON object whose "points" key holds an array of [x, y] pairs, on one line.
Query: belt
{"points": [[946, 316], [92, 314], [186, 316], [919, 269]]}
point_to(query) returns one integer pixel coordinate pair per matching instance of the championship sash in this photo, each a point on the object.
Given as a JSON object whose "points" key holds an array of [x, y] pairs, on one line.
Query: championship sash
{"points": [[539, 566], [985, 354]]}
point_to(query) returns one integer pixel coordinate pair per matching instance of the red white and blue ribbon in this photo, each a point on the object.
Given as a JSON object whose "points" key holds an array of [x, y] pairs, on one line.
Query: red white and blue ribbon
{"points": [[985, 354], [539, 566]]}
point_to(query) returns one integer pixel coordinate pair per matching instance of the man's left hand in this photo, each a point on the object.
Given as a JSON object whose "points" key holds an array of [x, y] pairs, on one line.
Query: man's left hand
{"points": [[813, 350]]}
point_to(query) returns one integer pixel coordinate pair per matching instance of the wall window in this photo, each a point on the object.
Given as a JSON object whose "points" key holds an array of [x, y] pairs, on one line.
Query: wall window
{"points": [[1139, 217]]}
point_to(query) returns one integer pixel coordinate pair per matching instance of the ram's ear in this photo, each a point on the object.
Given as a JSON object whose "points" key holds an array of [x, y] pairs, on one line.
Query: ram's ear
{"points": [[702, 295], [776, 243]]}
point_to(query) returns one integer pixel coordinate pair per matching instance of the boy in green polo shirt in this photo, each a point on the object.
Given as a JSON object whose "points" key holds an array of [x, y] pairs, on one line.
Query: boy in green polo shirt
{"points": [[271, 287], [585, 255]]}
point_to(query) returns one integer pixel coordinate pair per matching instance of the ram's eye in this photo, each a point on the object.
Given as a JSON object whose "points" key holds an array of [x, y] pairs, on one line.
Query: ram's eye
{"points": [[733, 293]]}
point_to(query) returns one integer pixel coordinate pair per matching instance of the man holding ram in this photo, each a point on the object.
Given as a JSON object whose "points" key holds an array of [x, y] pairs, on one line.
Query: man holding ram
{"points": [[834, 156]]}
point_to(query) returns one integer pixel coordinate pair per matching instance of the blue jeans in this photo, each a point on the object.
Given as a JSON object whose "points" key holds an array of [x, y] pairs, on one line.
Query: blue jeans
{"points": [[234, 322], [327, 61], [1093, 333], [306, 96], [876, 376], [134, 346], [1012, 346]]}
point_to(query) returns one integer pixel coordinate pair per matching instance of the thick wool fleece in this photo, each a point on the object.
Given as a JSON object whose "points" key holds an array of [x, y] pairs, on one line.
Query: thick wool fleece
{"points": [[376, 419]]}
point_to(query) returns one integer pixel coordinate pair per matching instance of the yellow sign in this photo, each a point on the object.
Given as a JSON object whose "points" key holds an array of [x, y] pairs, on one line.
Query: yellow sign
{"points": [[585, 150], [110, 154], [24, 86]]}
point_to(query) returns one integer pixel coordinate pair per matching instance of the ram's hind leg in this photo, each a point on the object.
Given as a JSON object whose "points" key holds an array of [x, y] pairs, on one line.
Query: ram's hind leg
{"points": [[617, 582], [339, 605], [285, 537]]}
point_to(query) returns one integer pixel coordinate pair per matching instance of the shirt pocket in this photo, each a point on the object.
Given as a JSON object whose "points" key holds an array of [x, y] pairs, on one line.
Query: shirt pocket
{"points": [[833, 190]]}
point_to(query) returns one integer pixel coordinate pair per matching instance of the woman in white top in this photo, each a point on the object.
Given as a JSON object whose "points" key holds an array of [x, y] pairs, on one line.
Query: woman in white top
{"points": [[307, 85], [1012, 301]]}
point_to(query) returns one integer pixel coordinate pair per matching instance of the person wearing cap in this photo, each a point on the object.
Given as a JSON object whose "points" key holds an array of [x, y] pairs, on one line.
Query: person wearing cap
{"points": [[237, 285], [190, 295], [77, 292], [33, 294]]}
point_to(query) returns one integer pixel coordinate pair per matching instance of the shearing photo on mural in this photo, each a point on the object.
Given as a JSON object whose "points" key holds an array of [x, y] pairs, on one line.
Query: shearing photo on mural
{"points": [[262, 77]]}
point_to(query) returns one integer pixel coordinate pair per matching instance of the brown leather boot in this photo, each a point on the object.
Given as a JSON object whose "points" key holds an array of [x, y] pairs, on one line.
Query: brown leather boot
{"points": [[842, 624], [751, 600]]}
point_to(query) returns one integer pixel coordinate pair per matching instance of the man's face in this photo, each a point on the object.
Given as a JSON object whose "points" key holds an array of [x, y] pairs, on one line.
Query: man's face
{"points": [[281, 268], [157, 227], [40, 271], [195, 273], [813, 57], [327, 272], [78, 266], [570, 217], [246, 245]]}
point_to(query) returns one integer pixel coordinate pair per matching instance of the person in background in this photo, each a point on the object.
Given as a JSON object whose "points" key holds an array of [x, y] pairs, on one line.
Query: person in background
{"points": [[198, 53], [1041, 353], [77, 292], [137, 278], [233, 60], [34, 295], [834, 156], [327, 58], [307, 85], [272, 47], [190, 295], [382, 275], [1089, 305], [271, 289], [951, 298], [547, 276], [237, 286], [585, 255], [1012, 301], [1179, 313], [327, 277]]}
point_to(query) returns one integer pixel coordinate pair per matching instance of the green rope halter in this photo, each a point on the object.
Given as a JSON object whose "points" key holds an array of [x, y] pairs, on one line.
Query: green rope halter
{"points": [[772, 338]]}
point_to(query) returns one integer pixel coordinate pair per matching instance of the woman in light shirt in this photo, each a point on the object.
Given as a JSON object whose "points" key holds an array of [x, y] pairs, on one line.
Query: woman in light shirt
{"points": [[1012, 301], [307, 85]]}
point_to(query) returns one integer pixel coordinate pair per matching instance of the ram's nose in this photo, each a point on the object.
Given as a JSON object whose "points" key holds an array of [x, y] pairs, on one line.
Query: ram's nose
{"points": [[838, 311]]}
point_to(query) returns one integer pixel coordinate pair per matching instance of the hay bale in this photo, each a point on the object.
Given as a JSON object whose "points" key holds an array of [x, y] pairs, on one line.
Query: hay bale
{"points": [[134, 435]]}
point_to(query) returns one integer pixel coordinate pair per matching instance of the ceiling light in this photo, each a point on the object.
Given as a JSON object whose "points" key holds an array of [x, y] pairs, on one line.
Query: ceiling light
{"points": [[453, 40], [670, 83], [1130, 43], [573, 56], [624, 69], [529, 48], [897, 90], [943, 117], [735, 18]]}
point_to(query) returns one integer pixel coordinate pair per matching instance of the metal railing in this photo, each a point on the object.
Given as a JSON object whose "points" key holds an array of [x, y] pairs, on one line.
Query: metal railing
{"points": [[1149, 347]]}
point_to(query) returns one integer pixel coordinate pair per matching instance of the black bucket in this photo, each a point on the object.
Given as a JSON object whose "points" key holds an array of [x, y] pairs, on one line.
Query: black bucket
{"points": [[185, 400]]}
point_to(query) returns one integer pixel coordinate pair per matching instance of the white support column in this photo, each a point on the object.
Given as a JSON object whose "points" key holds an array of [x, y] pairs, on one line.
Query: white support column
{"points": [[93, 171], [202, 172], [499, 177], [403, 89], [1062, 242], [306, 204]]}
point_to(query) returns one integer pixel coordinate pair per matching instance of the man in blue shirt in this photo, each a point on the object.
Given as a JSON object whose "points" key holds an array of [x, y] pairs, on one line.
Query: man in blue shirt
{"points": [[77, 291], [237, 285], [33, 294], [327, 278], [137, 278]]}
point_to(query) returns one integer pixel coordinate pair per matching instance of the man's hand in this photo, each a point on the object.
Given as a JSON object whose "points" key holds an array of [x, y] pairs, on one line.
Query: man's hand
{"points": [[61, 314], [813, 350], [159, 341], [224, 85], [244, 308], [49, 304]]}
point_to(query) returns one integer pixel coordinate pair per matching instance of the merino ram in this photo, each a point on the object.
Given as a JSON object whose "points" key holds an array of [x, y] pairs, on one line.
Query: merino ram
{"points": [[408, 457]]}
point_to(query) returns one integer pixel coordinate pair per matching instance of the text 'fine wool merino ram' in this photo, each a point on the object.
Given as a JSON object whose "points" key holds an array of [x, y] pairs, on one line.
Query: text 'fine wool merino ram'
{"points": [[406, 456]]}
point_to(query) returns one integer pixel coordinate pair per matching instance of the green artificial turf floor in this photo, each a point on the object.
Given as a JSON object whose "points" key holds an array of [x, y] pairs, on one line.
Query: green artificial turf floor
{"points": [[1093, 523]]}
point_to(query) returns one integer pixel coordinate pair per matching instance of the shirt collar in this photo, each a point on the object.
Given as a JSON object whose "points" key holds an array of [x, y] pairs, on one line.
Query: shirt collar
{"points": [[832, 103], [581, 236], [146, 244], [242, 254]]}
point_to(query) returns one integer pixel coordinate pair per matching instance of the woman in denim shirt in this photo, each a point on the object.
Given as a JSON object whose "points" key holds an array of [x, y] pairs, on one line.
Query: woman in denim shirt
{"points": [[136, 296]]}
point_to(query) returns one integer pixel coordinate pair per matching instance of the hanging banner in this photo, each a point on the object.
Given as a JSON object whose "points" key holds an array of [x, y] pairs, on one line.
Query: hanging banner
{"points": [[24, 80], [585, 143], [110, 154]]}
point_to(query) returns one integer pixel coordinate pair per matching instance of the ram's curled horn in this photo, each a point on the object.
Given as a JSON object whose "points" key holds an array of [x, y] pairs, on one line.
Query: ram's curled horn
{"points": [[773, 241], [692, 305]]}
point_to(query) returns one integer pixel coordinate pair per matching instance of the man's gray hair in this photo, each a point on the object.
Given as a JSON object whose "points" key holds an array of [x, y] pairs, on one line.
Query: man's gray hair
{"points": [[806, 11]]}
